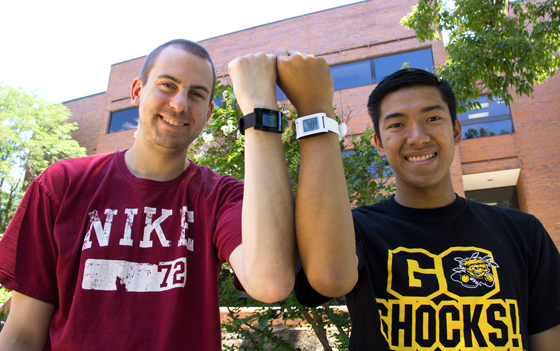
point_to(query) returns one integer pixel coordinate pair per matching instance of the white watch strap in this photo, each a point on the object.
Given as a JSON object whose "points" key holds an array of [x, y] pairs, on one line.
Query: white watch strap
{"points": [[331, 125]]}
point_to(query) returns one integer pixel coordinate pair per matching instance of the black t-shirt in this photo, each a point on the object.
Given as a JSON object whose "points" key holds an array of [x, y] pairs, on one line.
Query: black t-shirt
{"points": [[465, 276]]}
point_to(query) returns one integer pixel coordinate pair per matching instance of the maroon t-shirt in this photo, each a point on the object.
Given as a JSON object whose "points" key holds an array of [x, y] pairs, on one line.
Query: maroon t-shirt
{"points": [[130, 263]]}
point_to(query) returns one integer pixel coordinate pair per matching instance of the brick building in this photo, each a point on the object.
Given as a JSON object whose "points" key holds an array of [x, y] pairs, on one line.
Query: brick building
{"points": [[507, 156]]}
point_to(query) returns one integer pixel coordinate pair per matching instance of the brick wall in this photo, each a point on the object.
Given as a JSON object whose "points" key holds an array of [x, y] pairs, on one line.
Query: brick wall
{"points": [[88, 113], [356, 32], [537, 131], [344, 34]]}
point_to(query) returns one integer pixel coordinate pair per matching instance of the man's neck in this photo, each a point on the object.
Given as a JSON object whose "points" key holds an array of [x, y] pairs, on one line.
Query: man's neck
{"points": [[426, 198], [149, 164]]}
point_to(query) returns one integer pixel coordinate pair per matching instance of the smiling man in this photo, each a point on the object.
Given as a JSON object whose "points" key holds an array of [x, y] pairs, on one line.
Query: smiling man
{"points": [[122, 251], [425, 269]]}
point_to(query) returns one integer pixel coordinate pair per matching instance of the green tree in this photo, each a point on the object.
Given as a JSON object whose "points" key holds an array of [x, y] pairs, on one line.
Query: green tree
{"points": [[494, 45], [220, 147], [34, 135]]}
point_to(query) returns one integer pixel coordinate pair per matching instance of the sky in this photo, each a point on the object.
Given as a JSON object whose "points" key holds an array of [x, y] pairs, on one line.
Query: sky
{"points": [[64, 49]]}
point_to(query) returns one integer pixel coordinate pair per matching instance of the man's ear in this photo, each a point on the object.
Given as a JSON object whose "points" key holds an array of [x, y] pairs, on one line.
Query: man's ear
{"points": [[135, 91], [457, 131], [210, 110], [378, 145]]}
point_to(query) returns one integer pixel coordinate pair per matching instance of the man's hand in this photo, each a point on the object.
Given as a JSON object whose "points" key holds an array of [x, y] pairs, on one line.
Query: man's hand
{"points": [[254, 81], [306, 81]]}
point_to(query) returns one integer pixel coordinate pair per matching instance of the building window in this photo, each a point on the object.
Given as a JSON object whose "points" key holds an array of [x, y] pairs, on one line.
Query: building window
{"points": [[501, 197], [128, 119], [357, 74], [371, 71], [351, 75], [387, 65], [497, 188], [493, 118], [124, 120]]}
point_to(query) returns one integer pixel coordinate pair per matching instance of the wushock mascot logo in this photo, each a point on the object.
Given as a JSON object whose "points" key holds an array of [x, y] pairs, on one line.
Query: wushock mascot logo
{"points": [[447, 301], [474, 271]]}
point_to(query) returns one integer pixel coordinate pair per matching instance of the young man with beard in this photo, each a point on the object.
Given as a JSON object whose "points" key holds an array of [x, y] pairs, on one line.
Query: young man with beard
{"points": [[122, 251], [425, 269]]}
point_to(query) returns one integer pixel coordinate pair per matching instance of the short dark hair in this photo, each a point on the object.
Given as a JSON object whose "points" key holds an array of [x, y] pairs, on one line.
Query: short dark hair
{"points": [[186, 45], [404, 78]]}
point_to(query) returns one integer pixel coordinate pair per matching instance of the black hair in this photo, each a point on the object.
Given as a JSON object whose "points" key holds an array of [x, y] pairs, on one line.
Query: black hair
{"points": [[404, 78], [186, 45]]}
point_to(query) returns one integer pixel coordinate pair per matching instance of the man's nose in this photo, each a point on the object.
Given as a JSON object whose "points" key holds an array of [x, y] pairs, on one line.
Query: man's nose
{"points": [[417, 134], [179, 102]]}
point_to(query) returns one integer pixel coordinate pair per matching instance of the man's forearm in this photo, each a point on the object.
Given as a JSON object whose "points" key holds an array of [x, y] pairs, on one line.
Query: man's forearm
{"points": [[265, 262], [268, 218], [324, 226]]}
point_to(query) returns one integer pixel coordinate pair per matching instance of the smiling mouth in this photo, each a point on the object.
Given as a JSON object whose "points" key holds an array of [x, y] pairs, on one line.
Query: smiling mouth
{"points": [[172, 122], [421, 158]]}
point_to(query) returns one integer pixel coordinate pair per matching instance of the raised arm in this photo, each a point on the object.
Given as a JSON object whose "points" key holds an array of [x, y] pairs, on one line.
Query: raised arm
{"points": [[324, 227], [27, 325], [548, 340], [265, 262]]}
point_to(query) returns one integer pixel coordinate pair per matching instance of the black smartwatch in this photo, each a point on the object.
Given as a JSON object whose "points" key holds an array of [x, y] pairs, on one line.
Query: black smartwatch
{"points": [[262, 119]]}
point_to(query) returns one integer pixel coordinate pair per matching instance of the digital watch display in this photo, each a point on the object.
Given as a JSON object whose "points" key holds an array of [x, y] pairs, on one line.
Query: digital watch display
{"points": [[262, 119], [311, 124]]}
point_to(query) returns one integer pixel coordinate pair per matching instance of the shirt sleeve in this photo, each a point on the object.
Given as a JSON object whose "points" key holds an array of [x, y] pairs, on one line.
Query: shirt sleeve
{"points": [[28, 252], [228, 220], [305, 294], [544, 282]]}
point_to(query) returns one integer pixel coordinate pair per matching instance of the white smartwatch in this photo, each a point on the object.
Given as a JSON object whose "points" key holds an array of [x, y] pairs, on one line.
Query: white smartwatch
{"points": [[316, 124]]}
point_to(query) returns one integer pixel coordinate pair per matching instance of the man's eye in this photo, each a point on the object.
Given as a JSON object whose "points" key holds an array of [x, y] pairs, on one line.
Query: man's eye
{"points": [[395, 125], [434, 118], [167, 85], [198, 95]]}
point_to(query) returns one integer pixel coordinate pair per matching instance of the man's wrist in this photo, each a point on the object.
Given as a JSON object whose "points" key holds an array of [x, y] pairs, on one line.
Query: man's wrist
{"points": [[307, 111], [266, 120], [249, 108]]}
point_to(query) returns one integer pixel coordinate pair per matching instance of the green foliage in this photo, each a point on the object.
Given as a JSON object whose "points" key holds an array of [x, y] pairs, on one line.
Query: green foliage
{"points": [[257, 329], [493, 44], [220, 147], [366, 172], [5, 294], [263, 329], [34, 136]]}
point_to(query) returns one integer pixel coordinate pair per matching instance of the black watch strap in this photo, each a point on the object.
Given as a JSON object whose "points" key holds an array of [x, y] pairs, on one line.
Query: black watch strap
{"points": [[262, 119], [246, 121]]}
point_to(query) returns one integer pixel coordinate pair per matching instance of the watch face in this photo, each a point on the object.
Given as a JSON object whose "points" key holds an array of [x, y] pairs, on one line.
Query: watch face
{"points": [[310, 124], [270, 119]]}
